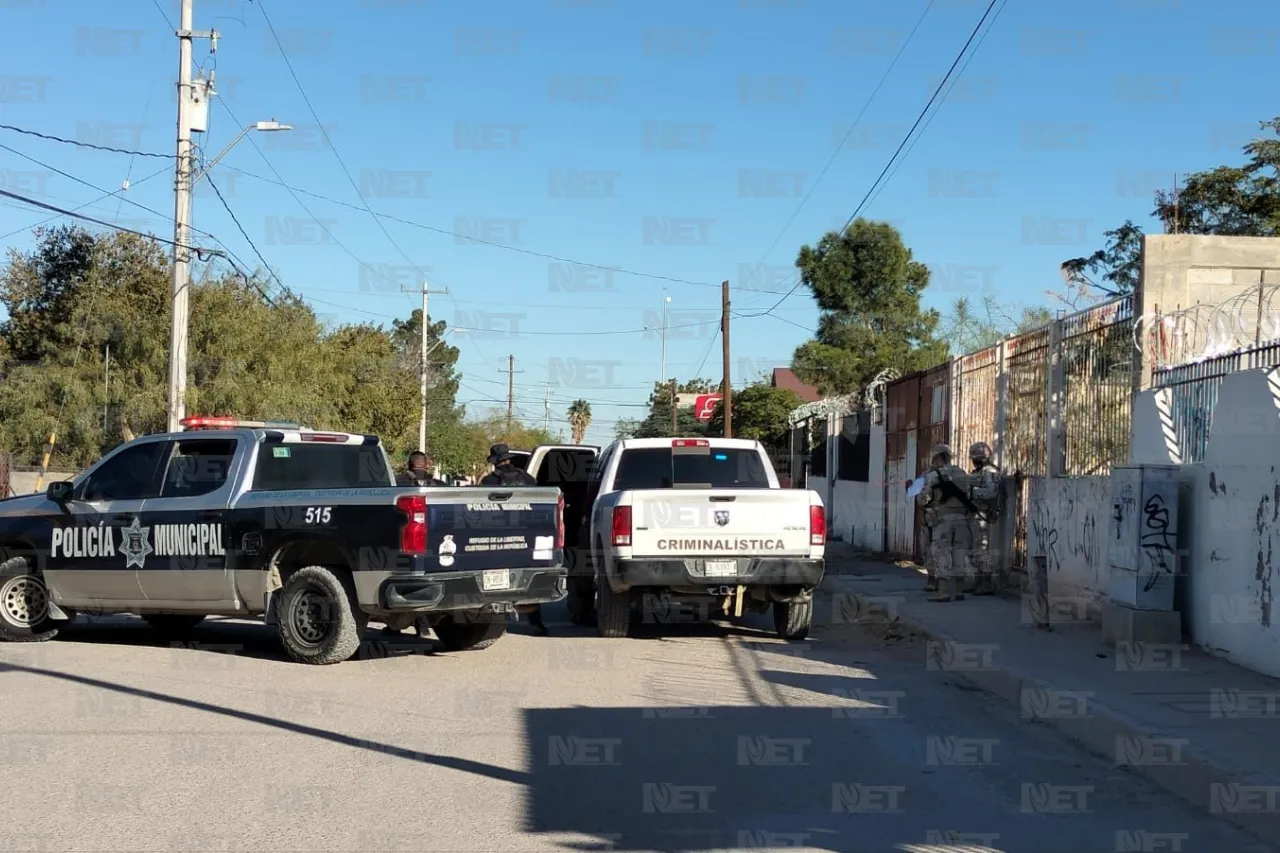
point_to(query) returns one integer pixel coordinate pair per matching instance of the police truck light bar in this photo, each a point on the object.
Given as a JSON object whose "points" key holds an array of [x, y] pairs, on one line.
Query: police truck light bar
{"points": [[234, 423]]}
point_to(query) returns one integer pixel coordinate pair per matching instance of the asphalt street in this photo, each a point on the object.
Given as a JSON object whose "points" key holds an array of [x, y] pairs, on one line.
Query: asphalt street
{"points": [[693, 737]]}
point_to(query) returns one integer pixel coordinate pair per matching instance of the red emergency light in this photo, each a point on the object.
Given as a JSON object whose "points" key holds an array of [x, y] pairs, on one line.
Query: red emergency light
{"points": [[204, 422], [690, 442]]}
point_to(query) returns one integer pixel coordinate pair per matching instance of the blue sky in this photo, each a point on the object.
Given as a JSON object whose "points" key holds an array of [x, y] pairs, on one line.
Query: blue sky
{"points": [[564, 126]]}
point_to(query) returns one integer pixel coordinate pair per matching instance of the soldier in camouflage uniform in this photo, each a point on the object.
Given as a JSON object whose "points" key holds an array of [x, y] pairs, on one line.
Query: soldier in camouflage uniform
{"points": [[984, 493], [944, 498]]}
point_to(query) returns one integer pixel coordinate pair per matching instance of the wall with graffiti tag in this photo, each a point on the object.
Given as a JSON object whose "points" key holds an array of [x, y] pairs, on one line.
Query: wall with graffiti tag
{"points": [[1068, 525]]}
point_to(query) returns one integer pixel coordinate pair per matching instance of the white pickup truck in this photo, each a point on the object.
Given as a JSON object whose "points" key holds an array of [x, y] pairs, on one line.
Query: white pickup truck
{"points": [[702, 517]]}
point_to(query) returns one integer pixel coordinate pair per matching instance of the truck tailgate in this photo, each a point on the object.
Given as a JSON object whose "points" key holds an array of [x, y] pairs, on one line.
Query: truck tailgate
{"points": [[707, 522], [470, 529]]}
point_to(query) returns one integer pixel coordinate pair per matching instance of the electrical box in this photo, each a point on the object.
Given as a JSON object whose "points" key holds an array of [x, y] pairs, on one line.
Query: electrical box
{"points": [[1144, 555], [198, 106]]}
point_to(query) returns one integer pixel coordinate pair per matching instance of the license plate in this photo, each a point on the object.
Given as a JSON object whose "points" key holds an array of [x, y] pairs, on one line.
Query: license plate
{"points": [[722, 568], [495, 579]]}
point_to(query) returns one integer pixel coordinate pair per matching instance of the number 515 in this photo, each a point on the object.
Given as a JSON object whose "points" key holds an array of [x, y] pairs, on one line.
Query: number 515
{"points": [[318, 514]]}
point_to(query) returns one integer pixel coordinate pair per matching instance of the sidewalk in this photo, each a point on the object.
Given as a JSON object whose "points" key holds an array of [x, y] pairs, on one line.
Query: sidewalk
{"points": [[1203, 728]]}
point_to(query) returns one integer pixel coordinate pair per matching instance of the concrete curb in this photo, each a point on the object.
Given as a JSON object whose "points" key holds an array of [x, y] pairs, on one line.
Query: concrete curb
{"points": [[1195, 778]]}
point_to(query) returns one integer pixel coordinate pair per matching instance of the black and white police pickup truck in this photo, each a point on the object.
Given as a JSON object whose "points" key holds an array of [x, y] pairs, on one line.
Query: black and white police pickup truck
{"points": [[306, 529], [696, 517]]}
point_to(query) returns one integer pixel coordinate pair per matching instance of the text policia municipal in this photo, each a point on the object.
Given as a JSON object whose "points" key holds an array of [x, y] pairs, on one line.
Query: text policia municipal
{"points": [[171, 540]]}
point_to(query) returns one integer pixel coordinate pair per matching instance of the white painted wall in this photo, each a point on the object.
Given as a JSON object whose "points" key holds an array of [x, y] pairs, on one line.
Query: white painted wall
{"points": [[1231, 526], [24, 482], [1068, 522], [860, 507]]}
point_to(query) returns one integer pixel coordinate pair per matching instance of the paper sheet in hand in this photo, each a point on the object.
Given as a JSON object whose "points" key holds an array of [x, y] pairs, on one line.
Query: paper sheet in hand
{"points": [[916, 487]]}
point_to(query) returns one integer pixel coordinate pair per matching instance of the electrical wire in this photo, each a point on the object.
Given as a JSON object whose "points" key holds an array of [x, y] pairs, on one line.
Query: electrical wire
{"points": [[80, 144], [95, 187], [445, 232], [848, 133], [325, 133], [86, 204], [248, 240], [919, 119], [197, 250]]}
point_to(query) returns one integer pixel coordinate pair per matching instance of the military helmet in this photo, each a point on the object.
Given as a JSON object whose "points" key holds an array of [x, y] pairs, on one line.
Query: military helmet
{"points": [[980, 450], [942, 450]]}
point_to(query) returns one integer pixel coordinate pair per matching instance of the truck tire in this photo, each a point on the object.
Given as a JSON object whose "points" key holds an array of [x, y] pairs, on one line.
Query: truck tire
{"points": [[319, 621], [792, 619], [173, 623], [470, 635], [24, 604], [613, 611]]}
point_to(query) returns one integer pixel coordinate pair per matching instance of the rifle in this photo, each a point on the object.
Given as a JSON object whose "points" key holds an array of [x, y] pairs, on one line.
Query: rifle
{"points": [[950, 489]]}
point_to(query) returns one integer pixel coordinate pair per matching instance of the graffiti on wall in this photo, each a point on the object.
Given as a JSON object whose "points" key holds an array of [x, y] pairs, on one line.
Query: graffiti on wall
{"points": [[1065, 529], [1158, 541], [1262, 570]]}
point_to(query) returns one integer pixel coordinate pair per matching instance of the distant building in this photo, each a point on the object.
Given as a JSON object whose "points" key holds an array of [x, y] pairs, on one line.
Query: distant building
{"points": [[783, 377]]}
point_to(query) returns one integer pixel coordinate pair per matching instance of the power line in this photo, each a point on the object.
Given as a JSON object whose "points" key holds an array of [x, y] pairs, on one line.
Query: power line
{"points": [[445, 232], [164, 14], [298, 83], [200, 252], [80, 144], [162, 171], [83, 182], [848, 133], [248, 240], [920, 118]]}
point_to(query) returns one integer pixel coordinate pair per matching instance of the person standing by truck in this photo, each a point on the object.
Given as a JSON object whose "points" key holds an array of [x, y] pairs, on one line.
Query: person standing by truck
{"points": [[506, 474]]}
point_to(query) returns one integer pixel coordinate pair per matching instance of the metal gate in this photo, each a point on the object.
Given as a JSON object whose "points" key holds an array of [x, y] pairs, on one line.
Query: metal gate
{"points": [[917, 417]]}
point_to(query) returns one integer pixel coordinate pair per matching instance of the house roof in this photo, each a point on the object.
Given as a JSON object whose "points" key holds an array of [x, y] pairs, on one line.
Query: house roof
{"points": [[783, 377]]}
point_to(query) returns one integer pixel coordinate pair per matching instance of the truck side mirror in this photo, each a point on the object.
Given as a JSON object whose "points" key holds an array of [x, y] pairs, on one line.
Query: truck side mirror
{"points": [[59, 492]]}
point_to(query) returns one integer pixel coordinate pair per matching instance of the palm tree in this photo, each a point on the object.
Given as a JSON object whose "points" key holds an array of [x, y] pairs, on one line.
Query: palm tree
{"points": [[579, 419]]}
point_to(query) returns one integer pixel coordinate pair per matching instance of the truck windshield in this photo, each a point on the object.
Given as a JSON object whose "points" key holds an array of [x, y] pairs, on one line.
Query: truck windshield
{"points": [[720, 468], [284, 467]]}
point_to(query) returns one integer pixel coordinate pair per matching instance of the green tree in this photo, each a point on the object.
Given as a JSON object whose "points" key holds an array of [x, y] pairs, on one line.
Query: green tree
{"points": [[1235, 201], [250, 355], [968, 329], [1229, 201], [868, 290], [760, 413], [579, 419], [1119, 263], [625, 428]]}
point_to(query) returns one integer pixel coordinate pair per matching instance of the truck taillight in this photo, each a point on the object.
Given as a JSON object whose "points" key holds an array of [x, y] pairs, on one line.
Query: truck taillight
{"points": [[690, 442], [622, 527], [817, 525], [326, 437], [413, 536], [560, 522]]}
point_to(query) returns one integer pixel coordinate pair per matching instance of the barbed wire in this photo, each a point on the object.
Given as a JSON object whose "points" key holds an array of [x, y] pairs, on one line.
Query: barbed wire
{"points": [[1248, 318]]}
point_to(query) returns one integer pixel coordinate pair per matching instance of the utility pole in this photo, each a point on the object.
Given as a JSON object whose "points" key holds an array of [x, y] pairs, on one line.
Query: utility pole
{"points": [[547, 415], [727, 391], [511, 390], [106, 387], [426, 324], [182, 216], [666, 303], [675, 428]]}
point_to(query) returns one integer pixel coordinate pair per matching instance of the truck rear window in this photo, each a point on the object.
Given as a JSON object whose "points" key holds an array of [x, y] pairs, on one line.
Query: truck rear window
{"points": [[283, 467], [721, 468]]}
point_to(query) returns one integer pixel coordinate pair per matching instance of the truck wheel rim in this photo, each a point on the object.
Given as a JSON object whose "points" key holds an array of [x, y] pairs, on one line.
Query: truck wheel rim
{"points": [[308, 617], [24, 601]]}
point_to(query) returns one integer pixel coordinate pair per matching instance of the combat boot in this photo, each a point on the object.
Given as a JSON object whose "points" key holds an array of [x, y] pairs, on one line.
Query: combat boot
{"points": [[947, 591]]}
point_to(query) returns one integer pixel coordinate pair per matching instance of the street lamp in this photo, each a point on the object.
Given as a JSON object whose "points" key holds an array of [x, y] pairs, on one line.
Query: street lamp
{"points": [[666, 303], [183, 183], [422, 422]]}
